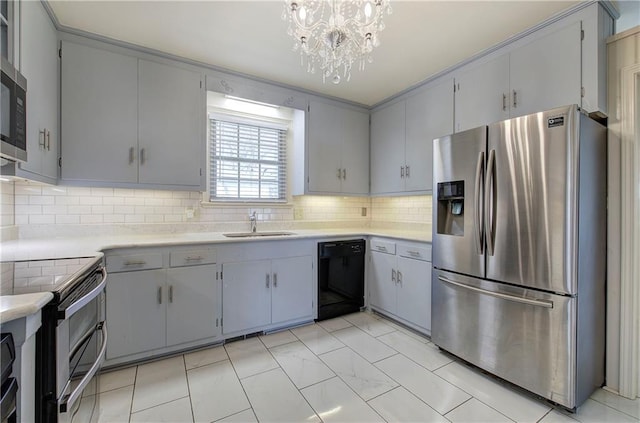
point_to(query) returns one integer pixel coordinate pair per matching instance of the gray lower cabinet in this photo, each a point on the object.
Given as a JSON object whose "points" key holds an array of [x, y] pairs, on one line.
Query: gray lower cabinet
{"points": [[262, 293], [399, 282], [159, 300]]}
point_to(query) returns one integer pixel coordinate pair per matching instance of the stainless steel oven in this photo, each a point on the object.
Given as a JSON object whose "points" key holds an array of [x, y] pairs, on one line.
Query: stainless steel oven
{"points": [[71, 344]]}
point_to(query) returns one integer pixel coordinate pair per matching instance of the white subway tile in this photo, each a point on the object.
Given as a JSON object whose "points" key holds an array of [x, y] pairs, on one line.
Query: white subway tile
{"points": [[102, 209], [154, 218], [134, 218], [114, 218], [112, 201], [41, 219], [69, 200], [57, 210], [25, 188], [91, 218], [28, 209], [102, 192], [124, 209], [18, 199], [90, 201], [67, 219], [83, 210]]}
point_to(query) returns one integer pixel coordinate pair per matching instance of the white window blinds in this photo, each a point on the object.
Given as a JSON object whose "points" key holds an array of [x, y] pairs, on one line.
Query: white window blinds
{"points": [[248, 162]]}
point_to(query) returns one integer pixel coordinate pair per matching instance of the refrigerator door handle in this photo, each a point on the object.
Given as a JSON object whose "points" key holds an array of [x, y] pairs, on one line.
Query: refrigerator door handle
{"points": [[477, 215], [489, 202], [539, 303]]}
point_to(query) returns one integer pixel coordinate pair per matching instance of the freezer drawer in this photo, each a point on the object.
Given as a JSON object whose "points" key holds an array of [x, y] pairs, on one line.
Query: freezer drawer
{"points": [[524, 336]]}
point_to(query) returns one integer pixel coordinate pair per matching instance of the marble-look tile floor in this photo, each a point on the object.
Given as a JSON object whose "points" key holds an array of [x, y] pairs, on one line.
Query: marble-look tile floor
{"points": [[357, 368]]}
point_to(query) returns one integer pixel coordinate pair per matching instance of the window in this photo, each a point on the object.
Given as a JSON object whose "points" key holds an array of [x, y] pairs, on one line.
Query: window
{"points": [[247, 161]]}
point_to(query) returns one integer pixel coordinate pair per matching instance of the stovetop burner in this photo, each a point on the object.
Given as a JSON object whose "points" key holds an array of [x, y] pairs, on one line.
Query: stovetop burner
{"points": [[29, 276]]}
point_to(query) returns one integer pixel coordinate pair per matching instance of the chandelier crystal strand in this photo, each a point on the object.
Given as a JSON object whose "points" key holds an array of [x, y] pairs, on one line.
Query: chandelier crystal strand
{"points": [[332, 35]]}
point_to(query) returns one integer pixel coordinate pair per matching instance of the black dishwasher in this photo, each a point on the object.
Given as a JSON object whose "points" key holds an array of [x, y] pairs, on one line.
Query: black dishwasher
{"points": [[340, 277]]}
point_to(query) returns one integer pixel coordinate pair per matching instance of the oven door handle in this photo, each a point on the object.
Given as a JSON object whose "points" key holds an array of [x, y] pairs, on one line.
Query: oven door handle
{"points": [[67, 401], [83, 301]]}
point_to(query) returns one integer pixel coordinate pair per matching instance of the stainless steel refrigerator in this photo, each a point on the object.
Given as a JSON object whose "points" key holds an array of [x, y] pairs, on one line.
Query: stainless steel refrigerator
{"points": [[518, 283]]}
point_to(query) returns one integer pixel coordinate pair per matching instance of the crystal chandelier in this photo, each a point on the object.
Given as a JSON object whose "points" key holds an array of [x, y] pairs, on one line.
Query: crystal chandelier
{"points": [[335, 34]]}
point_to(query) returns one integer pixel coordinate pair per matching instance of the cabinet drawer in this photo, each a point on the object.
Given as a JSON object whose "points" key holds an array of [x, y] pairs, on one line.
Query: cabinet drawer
{"points": [[415, 252], [383, 246], [192, 257], [132, 262]]}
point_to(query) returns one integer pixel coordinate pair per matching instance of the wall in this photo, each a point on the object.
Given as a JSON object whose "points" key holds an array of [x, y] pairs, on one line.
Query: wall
{"points": [[46, 210], [7, 211], [629, 15]]}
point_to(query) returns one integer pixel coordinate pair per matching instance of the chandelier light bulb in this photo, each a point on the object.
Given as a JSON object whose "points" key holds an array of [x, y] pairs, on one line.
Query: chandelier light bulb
{"points": [[333, 35]]}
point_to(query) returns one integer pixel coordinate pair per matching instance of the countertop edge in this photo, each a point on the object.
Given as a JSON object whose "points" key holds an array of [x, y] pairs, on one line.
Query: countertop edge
{"points": [[14, 307]]}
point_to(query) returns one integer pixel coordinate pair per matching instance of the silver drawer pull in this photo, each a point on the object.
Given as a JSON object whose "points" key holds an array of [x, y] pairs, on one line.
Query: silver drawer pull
{"points": [[413, 253], [159, 295], [135, 263], [381, 248], [539, 303], [195, 258]]}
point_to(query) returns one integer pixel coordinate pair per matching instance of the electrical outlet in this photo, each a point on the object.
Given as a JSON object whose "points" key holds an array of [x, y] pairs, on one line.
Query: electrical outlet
{"points": [[189, 212], [297, 214], [363, 212]]}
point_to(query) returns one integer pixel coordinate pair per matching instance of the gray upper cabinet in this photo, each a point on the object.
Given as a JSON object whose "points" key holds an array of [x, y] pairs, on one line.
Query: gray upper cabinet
{"points": [[171, 113], [537, 76], [482, 94], [99, 115], [40, 67], [337, 149], [129, 122], [556, 66], [401, 139]]}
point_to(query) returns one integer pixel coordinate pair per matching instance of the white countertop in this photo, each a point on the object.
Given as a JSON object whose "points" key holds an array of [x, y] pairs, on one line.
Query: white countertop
{"points": [[56, 248], [16, 306]]}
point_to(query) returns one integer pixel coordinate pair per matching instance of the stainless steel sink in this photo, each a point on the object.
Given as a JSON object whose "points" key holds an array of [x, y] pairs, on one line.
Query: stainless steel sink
{"points": [[256, 234]]}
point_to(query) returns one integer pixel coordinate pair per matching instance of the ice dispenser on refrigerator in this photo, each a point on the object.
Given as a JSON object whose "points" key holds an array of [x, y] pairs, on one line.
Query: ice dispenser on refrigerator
{"points": [[451, 208]]}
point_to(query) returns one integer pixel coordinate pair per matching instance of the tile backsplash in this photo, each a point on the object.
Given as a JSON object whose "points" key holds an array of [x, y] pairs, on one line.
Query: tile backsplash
{"points": [[40, 207]]}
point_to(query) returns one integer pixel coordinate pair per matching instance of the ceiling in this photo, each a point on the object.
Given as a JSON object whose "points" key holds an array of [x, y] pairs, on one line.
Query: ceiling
{"points": [[421, 38]]}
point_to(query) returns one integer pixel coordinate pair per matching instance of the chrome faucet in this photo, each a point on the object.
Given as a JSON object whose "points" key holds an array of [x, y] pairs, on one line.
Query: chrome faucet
{"points": [[253, 219]]}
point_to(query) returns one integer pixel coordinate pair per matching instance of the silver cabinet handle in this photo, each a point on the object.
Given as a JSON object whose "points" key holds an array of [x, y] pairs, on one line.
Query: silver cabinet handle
{"points": [[195, 258], [135, 263], [381, 248], [406, 171], [344, 174], [393, 275], [541, 303], [267, 278], [132, 155], [402, 171], [42, 144], [339, 173], [171, 293], [479, 197], [515, 99], [142, 156], [413, 253], [48, 140], [159, 295], [275, 280], [400, 277], [504, 102]]}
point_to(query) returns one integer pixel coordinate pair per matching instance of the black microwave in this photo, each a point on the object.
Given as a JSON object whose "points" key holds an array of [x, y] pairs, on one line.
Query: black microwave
{"points": [[13, 127]]}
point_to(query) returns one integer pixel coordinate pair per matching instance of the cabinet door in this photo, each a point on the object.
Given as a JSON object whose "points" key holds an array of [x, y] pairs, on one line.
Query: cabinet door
{"points": [[135, 312], [414, 291], [40, 67], [382, 282], [355, 152], [99, 115], [429, 115], [192, 304], [324, 147], [546, 73], [171, 112], [291, 293], [246, 295], [482, 94], [387, 149]]}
